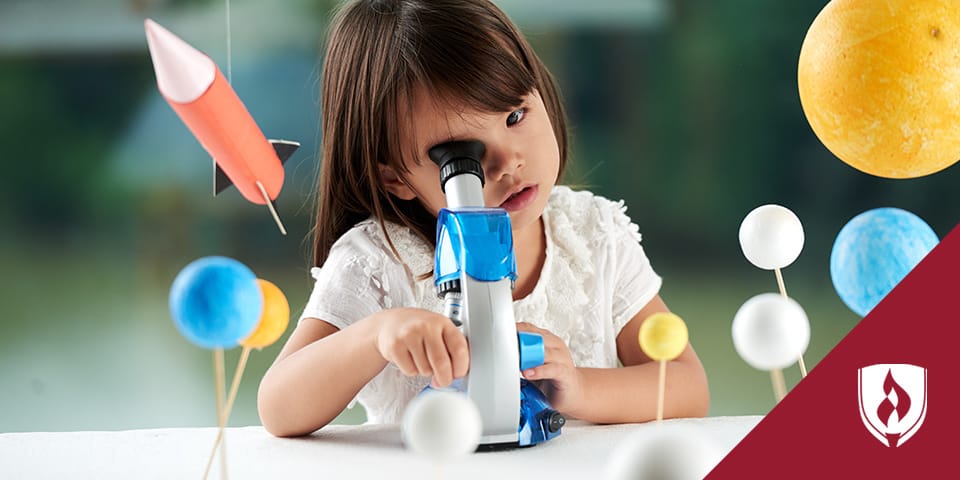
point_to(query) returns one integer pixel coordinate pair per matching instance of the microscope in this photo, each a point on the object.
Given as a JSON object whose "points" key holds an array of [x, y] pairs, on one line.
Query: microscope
{"points": [[474, 272]]}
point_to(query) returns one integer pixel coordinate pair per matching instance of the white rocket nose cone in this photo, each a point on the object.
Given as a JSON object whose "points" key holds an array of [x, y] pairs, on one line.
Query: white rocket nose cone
{"points": [[183, 72]]}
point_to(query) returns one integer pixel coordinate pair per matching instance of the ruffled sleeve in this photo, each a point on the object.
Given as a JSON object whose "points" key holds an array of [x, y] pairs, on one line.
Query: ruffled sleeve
{"points": [[636, 283], [357, 280]]}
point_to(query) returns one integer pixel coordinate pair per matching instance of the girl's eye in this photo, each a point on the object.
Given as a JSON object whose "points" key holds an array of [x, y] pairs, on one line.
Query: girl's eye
{"points": [[516, 117]]}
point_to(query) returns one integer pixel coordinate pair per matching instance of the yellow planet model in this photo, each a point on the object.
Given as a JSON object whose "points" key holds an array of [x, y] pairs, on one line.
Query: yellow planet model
{"points": [[273, 321], [663, 336], [879, 82]]}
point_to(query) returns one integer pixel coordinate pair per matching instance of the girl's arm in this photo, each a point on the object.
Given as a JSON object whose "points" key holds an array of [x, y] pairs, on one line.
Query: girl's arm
{"points": [[321, 369], [316, 375], [621, 395], [629, 394]]}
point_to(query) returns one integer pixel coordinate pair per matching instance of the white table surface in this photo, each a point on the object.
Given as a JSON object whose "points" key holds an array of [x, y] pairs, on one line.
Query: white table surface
{"points": [[337, 451]]}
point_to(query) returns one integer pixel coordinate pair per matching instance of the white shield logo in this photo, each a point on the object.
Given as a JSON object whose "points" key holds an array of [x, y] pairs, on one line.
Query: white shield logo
{"points": [[893, 401]]}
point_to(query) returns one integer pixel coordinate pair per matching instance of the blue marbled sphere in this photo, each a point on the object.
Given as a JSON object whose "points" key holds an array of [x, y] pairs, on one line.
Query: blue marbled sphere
{"points": [[216, 302], [874, 251]]}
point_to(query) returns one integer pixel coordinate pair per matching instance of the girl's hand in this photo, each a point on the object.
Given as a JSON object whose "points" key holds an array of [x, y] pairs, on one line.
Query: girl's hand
{"points": [[421, 342], [558, 378]]}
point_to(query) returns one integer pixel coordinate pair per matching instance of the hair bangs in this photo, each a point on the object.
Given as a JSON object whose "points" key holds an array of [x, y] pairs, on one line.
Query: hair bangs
{"points": [[468, 60]]}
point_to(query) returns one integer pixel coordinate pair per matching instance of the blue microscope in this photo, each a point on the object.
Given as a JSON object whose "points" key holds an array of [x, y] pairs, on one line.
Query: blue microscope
{"points": [[475, 270]]}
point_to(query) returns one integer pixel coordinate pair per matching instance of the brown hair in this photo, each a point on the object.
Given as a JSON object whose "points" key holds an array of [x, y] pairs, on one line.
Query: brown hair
{"points": [[378, 54]]}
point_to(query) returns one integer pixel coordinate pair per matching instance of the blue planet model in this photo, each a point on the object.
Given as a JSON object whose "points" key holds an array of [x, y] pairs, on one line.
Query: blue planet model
{"points": [[216, 302], [874, 251]]}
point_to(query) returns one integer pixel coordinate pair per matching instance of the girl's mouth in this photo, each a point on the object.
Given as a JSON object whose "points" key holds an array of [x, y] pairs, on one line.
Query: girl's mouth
{"points": [[520, 200]]}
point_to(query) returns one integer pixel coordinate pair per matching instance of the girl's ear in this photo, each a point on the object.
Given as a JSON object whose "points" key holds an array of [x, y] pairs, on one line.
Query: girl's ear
{"points": [[394, 184]]}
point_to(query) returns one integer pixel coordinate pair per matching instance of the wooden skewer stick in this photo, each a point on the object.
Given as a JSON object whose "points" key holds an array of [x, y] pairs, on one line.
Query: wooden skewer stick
{"points": [[779, 387], [234, 387], [219, 381], [783, 289], [221, 387], [244, 355], [223, 457], [273, 211], [783, 293], [661, 388]]}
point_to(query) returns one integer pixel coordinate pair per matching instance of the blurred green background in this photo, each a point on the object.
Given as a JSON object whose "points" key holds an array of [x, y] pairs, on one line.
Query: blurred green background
{"points": [[686, 109]]}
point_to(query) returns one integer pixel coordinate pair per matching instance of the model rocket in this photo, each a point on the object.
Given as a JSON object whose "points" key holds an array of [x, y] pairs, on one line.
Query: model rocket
{"points": [[195, 87]]}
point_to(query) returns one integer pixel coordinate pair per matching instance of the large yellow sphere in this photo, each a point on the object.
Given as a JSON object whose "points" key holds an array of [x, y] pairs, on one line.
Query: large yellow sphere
{"points": [[879, 83], [663, 336], [273, 321]]}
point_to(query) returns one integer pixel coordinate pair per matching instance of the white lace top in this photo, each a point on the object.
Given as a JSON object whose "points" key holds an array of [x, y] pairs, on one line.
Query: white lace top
{"points": [[595, 278]]}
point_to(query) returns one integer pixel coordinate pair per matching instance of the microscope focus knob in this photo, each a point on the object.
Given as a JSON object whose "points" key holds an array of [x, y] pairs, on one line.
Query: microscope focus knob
{"points": [[532, 351]]}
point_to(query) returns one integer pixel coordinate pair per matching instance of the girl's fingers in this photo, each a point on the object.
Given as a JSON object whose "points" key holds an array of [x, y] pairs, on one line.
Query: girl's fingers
{"points": [[458, 350], [529, 327], [543, 372], [417, 351], [404, 362], [555, 351], [549, 339], [439, 360]]}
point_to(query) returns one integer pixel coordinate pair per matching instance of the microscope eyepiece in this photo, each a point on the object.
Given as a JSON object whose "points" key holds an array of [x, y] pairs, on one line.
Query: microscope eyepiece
{"points": [[455, 158]]}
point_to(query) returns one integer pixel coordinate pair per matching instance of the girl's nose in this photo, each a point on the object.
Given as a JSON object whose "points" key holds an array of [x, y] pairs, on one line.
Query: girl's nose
{"points": [[501, 162]]}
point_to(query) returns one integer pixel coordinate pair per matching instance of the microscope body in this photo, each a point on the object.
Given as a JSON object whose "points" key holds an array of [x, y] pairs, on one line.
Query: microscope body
{"points": [[475, 270]]}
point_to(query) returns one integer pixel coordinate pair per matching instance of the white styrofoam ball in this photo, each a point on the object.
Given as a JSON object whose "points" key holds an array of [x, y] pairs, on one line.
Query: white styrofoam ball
{"points": [[771, 237], [771, 331], [662, 453], [442, 424]]}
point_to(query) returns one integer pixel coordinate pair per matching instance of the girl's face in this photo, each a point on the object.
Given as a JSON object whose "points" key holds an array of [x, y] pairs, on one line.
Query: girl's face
{"points": [[520, 165]]}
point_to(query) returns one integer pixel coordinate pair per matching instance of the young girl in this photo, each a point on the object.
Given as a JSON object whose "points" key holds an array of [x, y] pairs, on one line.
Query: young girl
{"points": [[401, 76]]}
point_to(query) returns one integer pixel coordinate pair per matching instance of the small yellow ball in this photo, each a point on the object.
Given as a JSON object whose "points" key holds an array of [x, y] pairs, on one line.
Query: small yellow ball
{"points": [[663, 336], [273, 321]]}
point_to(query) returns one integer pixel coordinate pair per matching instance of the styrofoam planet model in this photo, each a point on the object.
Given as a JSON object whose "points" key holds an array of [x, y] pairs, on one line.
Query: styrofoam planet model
{"points": [[874, 251], [273, 320], [215, 302], [663, 336], [665, 452], [878, 84], [771, 331], [771, 236], [442, 424]]}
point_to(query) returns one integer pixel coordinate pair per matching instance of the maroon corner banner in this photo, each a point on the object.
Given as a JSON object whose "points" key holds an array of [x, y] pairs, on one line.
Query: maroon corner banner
{"points": [[820, 430]]}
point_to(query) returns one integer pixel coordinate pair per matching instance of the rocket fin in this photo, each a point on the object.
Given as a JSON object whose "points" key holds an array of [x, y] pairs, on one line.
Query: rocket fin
{"points": [[220, 180], [284, 148]]}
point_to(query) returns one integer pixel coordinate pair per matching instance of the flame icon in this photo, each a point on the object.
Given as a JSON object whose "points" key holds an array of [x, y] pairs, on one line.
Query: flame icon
{"points": [[890, 413], [887, 408]]}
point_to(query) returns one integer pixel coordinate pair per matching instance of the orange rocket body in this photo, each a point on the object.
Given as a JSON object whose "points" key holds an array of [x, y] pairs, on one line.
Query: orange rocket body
{"points": [[199, 93], [226, 130]]}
